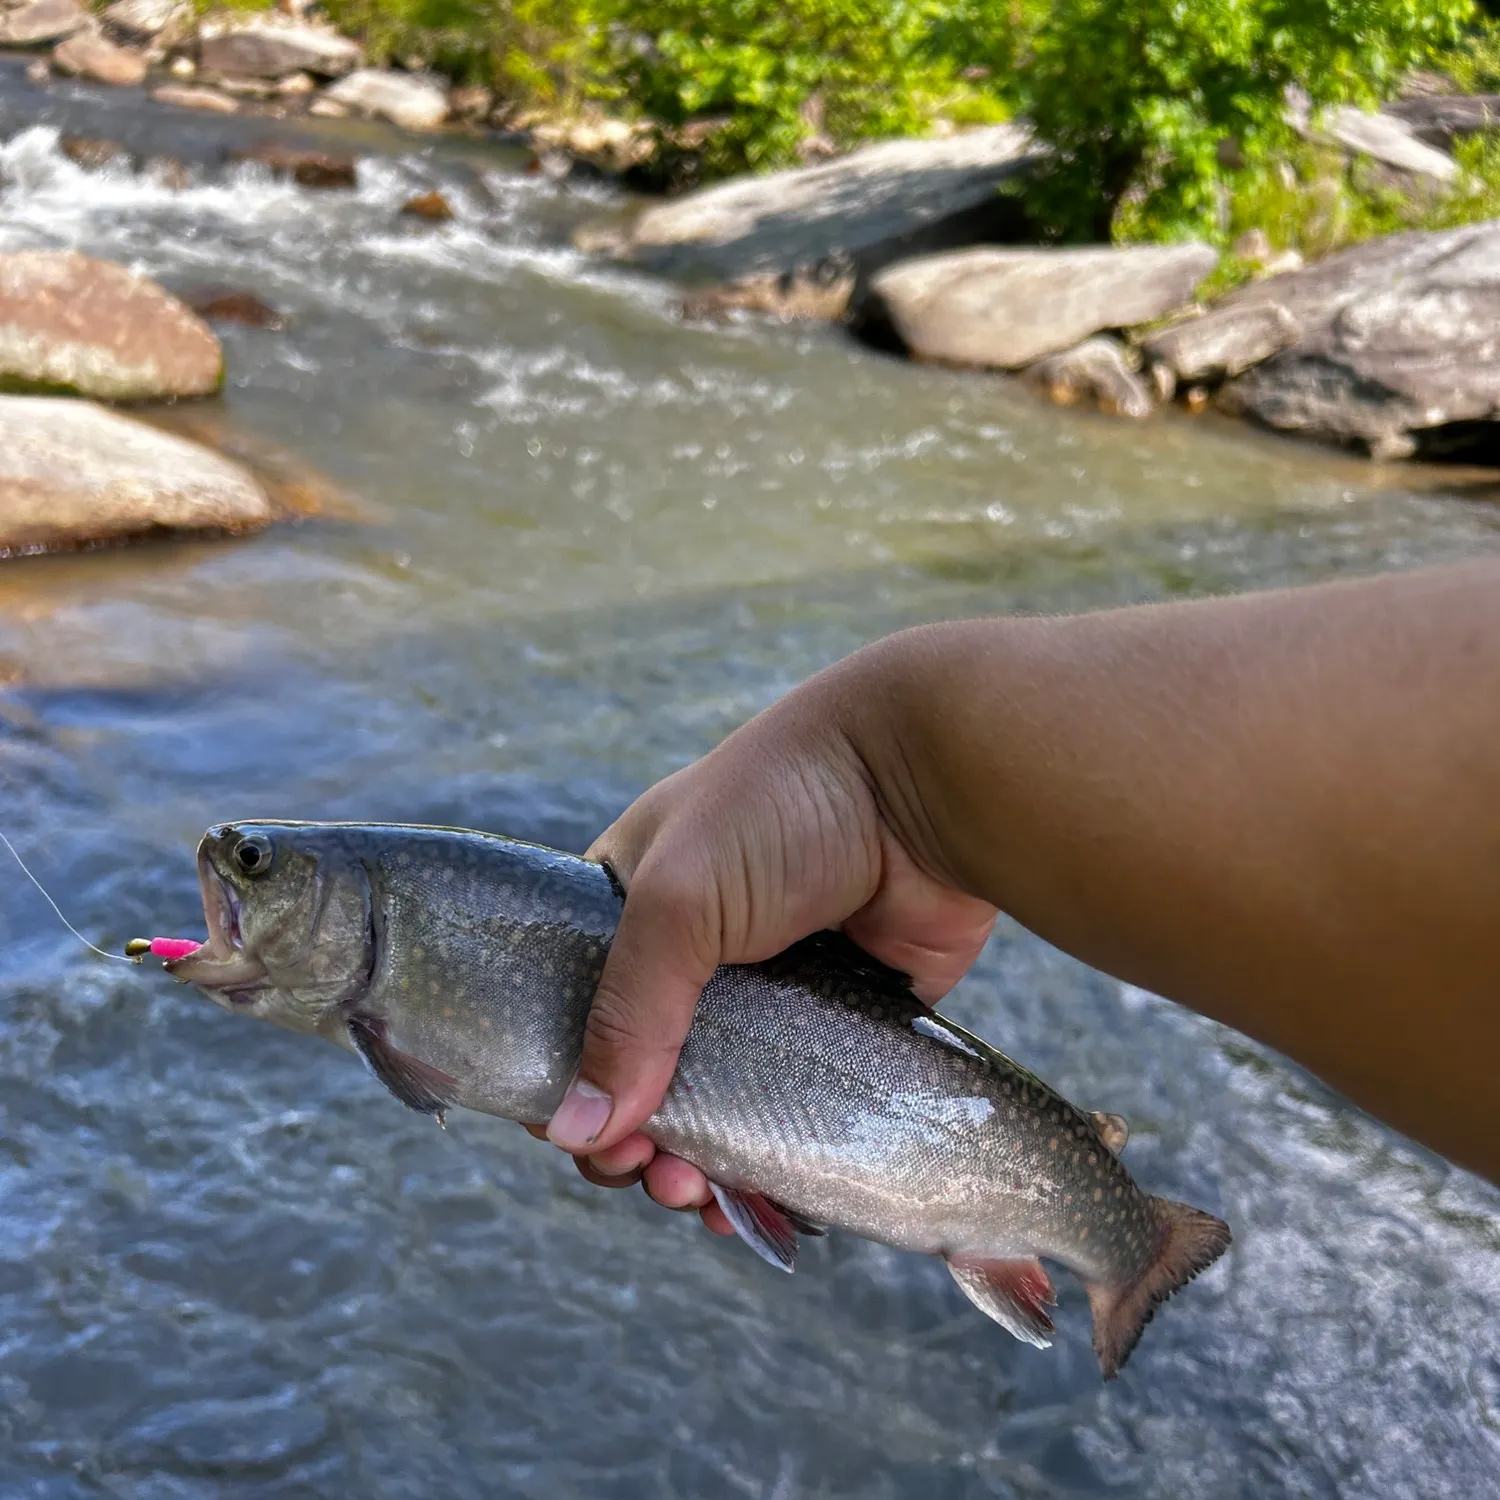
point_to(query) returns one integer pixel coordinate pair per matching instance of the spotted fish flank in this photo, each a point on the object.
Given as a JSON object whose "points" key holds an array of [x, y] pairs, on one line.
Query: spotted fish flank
{"points": [[813, 1089]]}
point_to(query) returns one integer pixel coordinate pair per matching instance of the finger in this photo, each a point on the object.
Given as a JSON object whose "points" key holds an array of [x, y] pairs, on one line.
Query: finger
{"points": [[674, 1183], [664, 951], [714, 1219], [625, 1157]]}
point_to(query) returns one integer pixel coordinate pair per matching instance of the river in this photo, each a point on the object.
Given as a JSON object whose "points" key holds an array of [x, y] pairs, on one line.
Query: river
{"points": [[592, 540]]}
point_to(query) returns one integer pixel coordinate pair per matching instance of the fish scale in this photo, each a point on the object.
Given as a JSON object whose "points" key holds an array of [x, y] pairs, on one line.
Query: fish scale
{"points": [[813, 1089]]}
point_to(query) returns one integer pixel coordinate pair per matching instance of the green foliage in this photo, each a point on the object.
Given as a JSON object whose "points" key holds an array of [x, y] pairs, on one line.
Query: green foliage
{"points": [[779, 72], [1473, 63], [1157, 109]]}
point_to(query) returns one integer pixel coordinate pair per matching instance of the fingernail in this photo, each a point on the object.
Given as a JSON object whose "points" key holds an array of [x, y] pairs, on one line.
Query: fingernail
{"points": [[583, 1113]]}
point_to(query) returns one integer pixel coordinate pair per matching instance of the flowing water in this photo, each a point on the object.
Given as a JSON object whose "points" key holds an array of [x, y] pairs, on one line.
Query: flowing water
{"points": [[593, 540]]}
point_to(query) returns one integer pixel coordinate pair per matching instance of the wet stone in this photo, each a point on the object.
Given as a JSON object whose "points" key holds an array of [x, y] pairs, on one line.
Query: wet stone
{"points": [[431, 207], [309, 169]]}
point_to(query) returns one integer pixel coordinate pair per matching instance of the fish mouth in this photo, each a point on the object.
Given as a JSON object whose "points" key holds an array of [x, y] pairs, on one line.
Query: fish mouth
{"points": [[221, 964]]}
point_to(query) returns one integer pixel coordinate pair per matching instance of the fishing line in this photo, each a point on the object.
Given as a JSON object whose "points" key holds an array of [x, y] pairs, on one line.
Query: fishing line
{"points": [[118, 957]]}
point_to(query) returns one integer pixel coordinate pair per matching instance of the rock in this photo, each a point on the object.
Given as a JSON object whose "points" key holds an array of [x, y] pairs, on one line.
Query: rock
{"points": [[185, 97], [92, 152], [38, 70], [36, 22], [87, 327], [1225, 342], [294, 85], [327, 109], [86, 54], [432, 207], [1390, 344], [269, 47], [72, 474], [413, 101], [218, 305], [1253, 247], [1007, 308], [1096, 371], [1438, 120], [883, 201], [309, 169], [819, 294], [472, 102], [167, 172], [145, 20], [182, 67], [1386, 139]]}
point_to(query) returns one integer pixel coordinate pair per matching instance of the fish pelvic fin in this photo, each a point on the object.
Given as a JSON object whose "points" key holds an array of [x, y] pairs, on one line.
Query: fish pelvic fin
{"points": [[1015, 1293], [418, 1085], [769, 1229], [1112, 1130], [1190, 1241]]}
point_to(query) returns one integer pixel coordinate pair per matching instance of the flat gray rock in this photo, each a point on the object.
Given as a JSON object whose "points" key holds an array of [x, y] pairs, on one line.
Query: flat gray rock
{"points": [[69, 323], [412, 100], [1440, 119], [1003, 309], [1386, 139], [1393, 344], [862, 210], [72, 474], [267, 47], [37, 22]]}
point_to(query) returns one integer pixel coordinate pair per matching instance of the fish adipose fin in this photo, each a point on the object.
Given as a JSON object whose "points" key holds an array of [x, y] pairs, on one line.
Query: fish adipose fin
{"points": [[418, 1085], [1112, 1130], [769, 1229], [1190, 1241], [1015, 1293]]}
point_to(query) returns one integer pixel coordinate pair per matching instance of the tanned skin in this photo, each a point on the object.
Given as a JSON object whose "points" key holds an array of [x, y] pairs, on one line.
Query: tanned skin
{"points": [[1281, 809]]}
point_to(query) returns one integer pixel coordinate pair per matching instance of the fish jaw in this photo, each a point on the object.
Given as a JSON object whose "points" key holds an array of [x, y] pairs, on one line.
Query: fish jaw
{"points": [[221, 964]]}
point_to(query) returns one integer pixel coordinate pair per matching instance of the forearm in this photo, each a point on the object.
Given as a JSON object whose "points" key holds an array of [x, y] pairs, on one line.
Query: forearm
{"points": [[1282, 810]]}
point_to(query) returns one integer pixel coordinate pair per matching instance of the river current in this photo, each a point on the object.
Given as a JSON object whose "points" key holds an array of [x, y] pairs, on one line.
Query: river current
{"points": [[590, 540]]}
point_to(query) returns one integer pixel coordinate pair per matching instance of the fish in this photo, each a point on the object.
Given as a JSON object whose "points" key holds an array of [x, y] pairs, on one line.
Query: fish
{"points": [[814, 1090]]}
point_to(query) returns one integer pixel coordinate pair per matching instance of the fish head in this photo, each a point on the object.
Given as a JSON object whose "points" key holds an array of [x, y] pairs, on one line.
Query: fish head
{"points": [[289, 912]]}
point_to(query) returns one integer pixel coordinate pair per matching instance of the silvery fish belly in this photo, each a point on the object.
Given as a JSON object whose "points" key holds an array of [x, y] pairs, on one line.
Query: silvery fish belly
{"points": [[814, 1090]]}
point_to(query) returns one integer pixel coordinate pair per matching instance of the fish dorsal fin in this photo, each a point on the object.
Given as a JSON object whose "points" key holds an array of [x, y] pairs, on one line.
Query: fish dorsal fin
{"points": [[1015, 1293], [418, 1085], [769, 1229], [1113, 1130], [832, 950], [941, 1029]]}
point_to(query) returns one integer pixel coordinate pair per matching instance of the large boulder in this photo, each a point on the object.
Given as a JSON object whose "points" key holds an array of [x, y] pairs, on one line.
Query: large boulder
{"points": [[1393, 345], [411, 100], [86, 54], [266, 46], [34, 23], [72, 474], [1440, 119], [859, 212], [1007, 308], [1388, 140], [80, 326], [147, 20]]}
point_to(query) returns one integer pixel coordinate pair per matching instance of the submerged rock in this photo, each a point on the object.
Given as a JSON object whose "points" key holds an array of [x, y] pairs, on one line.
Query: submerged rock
{"points": [[268, 47], [89, 55], [223, 305], [1391, 345], [37, 22], [93, 152], [309, 169], [73, 324], [880, 202], [187, 96], [1007, 308], [412, 100], [72, 474], [1096, 371], [432, 207]]}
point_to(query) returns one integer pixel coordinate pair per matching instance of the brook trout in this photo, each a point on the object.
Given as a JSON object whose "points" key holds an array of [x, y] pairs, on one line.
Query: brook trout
{"points": [[814, 1090]]}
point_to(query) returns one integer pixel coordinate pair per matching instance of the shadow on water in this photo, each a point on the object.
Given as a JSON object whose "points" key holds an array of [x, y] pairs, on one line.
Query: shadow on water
{"points": [[231, 1266]]}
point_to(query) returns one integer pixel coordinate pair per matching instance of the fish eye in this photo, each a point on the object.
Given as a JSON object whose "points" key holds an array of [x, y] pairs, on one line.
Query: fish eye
{"points": [[253, 854]]}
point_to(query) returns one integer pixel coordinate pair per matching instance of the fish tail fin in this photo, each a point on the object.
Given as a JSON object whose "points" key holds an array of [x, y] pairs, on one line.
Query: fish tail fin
{"points": [[1190, 1241]]}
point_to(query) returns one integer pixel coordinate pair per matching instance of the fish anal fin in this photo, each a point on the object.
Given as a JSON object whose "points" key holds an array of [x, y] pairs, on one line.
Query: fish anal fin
{"points": [[418, 1085], [1112, 1130], [769, 1229], [1189, 1241], [1015, 1293]]}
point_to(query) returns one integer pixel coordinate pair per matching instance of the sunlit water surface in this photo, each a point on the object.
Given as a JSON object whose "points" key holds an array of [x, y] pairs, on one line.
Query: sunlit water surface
{"points": [[594, 540]]}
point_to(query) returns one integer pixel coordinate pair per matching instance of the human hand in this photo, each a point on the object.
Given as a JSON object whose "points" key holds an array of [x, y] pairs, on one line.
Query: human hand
{"points": [[780, 832]]}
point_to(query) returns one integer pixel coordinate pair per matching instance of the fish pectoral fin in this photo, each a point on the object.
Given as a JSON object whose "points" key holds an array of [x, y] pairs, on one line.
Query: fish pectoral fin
{"points": [[418, 1085], [769, 1229], [1015, 1293], [1112, 1130]]}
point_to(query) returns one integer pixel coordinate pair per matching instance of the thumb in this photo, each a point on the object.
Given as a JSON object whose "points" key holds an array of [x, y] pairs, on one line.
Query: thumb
{"points": [[664, 951]]}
